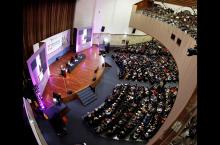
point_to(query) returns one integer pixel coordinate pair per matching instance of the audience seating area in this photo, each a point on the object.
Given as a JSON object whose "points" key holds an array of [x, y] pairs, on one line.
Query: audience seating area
{"points": [[184, 20], [146, 62], [132, 113], [136, 112]]}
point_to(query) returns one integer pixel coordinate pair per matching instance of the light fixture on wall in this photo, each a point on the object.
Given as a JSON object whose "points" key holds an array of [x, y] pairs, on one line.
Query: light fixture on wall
{"points": [[192, 51]]}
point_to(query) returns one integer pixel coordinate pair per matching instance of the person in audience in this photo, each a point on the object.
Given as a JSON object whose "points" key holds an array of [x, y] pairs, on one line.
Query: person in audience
{"points": [[156, 58], [132, 111], [184, 20]]}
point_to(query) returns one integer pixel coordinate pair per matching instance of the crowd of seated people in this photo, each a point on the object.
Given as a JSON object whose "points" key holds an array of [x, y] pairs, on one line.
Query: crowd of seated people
{"points": [[132, 112], [188, 135], [184, 20], [147, 62]]}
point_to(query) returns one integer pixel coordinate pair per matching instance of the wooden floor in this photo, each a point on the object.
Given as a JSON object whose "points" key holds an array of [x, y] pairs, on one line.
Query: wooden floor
{"points": [[80, 78]]}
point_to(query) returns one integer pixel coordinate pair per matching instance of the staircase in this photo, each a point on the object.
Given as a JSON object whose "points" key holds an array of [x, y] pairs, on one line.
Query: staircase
{"points": [[87, 96]]}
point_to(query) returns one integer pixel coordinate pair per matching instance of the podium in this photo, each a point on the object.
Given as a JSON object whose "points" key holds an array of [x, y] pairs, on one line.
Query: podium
{"points": [[57, 116]]}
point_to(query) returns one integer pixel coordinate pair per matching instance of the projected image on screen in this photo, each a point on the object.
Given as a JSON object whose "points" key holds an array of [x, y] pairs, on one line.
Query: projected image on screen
{"points": [[84, 39], [89, 35], [43, 61], [39, 69], [39, 66], [85, 36]]}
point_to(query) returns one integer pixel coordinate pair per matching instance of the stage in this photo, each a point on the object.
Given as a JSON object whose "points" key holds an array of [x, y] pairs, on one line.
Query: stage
{"points": [[80, 78]]}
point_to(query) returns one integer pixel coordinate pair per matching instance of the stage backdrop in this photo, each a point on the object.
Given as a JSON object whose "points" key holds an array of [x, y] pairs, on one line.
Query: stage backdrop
{"points": [[38, 68], [56, 45]]}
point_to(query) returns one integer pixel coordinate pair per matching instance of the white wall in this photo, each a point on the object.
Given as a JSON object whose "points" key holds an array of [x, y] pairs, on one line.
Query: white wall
{"points": [[114, 15], [84, 12], [103, 15]]}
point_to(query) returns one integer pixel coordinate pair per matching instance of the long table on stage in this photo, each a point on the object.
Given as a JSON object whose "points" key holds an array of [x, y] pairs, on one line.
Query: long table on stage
{"points": [[78, 79], [75, 62]]}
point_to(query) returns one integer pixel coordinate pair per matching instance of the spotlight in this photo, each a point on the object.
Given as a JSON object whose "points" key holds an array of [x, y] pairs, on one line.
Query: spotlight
{"points": [[191, 51]]}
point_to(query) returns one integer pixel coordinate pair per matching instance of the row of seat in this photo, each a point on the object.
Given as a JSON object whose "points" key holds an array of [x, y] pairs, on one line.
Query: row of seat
{"points": [[132, 112], [146, 62], [184, 20]]}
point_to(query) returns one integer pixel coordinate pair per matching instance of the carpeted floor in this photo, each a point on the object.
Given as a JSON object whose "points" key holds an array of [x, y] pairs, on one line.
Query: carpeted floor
{"points": [[78, 132]]}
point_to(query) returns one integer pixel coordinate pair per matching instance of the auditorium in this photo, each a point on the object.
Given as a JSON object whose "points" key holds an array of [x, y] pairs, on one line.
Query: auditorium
{"points": [[110, 72]]}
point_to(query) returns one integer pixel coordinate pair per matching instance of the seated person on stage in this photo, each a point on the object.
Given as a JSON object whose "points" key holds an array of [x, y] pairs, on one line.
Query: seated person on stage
{"points": [[76, 56], [69, 63], [72, 59], [63, 71], [63, 68]]}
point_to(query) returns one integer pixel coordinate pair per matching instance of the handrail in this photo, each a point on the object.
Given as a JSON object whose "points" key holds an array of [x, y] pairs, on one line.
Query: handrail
{"points": [[34, 126]]}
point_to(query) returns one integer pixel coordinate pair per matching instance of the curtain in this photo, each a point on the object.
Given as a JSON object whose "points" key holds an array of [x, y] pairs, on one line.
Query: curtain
{"points": [[44, 18]]}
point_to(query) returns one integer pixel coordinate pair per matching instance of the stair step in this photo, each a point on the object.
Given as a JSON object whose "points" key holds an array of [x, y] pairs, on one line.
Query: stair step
{"points": [[85, 91], [85, 95], [88, 102], [88, 98]]}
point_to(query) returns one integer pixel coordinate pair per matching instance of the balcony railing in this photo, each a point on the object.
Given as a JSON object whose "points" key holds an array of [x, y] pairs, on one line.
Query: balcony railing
{"points": [[183, 20]]}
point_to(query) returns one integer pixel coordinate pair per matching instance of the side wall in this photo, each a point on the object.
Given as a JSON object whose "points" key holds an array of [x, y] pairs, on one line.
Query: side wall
{"points": [[84, 13], [114, 15]]}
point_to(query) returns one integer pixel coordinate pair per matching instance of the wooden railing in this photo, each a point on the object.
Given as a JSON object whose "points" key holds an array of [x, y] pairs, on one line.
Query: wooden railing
{"points": [[144, 4], [186, 3]]}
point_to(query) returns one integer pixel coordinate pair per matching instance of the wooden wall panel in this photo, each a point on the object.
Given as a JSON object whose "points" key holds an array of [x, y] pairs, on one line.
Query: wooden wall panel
{"points": [[187, 66], [144, 4]]}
